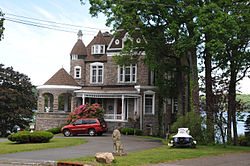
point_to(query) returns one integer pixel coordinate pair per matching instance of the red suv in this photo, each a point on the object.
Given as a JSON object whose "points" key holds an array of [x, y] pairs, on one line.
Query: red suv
{"points": [[91, 126]]}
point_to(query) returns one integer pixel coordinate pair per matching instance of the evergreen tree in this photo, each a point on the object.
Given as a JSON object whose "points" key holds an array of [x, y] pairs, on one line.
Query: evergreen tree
{"points": [[17, 100]]}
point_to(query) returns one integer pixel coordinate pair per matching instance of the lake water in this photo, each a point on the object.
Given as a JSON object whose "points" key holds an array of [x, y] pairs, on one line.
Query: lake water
{"points": [[240, 124]]}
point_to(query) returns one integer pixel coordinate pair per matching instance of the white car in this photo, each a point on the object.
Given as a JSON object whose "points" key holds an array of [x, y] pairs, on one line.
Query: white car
{"points": [[182, 139]]}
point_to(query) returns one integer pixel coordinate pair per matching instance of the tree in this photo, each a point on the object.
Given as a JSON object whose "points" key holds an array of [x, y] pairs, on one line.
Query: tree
{"points": [[225, 29], [1, 24], [247, 124], [170, 47], [234, 58], [17, 100]]}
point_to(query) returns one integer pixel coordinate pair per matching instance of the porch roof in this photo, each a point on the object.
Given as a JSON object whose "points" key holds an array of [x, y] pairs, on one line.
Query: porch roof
{"points": [[108, 92]]}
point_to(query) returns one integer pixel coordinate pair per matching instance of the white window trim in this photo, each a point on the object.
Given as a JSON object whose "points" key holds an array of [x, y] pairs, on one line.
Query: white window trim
{"points": [[74, 57], [80, 71], [98, 46], [153, 102], [131, 74], [91, 72]]}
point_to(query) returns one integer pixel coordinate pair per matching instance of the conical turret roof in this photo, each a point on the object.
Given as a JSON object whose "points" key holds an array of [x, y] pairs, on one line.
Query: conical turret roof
{"points": [[61, 78], [79, 48]]}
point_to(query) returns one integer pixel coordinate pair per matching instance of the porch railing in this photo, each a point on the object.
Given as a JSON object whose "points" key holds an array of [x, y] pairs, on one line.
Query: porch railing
{"points": [[114, 117]]}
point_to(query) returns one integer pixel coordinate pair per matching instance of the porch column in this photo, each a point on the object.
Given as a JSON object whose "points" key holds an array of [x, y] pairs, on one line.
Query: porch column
{"points": [[140, 113], [40, 103], [115, 108], [66, 102], [135, 107], [55, 105], [122, 107], [83, 99]]}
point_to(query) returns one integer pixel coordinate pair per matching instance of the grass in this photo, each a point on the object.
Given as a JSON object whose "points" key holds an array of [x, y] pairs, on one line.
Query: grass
{"points": [[164, 154], [11, 147]]}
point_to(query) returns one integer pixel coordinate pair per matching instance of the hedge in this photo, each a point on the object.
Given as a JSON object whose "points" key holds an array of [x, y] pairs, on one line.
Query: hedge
{"points": [[27, 137], [130, 131], [56, 130]]}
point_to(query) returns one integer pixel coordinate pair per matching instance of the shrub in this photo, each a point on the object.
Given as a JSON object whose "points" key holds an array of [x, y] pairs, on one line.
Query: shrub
{"points": [[243, 140], [127, 131], [27, 137], [86, 111], [193, 122], [138, 132], [56, 130]]}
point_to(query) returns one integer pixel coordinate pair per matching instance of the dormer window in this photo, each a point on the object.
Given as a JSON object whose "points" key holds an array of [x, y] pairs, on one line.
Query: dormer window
{"points": [[98, 49], [74, 57]]}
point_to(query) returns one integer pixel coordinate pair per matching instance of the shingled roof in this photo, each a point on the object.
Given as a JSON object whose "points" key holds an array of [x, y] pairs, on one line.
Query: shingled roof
{"points": [[79, 48], [61, 78], [98, 39]]}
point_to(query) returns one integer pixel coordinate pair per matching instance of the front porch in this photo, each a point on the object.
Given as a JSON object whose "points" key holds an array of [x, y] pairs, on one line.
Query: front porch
{"points": [[118, 107]]}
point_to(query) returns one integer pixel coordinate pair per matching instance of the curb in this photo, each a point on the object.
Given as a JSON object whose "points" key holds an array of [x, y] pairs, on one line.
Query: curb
{"points": [[43, 163]]}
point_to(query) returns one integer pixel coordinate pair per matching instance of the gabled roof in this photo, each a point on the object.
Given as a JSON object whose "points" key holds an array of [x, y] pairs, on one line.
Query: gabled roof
{"points": [[99, 39], [61, 78], [79, 48], [117, 41]]}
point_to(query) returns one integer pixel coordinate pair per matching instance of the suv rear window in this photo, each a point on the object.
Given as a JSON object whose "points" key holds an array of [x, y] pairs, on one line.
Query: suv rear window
{"points": [[102, 121]]}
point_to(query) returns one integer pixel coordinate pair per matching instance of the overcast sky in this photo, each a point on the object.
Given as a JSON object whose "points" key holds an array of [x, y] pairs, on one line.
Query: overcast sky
{"points": [[39, 52]]}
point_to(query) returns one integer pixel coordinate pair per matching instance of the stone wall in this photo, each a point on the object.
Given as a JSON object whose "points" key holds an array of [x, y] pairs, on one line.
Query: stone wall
{"points": [[81, 63], [55, 93], [110, 73], [45, 121]]}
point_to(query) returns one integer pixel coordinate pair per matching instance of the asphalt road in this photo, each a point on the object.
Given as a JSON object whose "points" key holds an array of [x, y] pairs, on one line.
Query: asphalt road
{"points": [[95, 144], [104, 144]]}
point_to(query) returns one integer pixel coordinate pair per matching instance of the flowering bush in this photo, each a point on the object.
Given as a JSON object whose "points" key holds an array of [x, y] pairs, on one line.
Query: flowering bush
{"points": [[86, 111]]}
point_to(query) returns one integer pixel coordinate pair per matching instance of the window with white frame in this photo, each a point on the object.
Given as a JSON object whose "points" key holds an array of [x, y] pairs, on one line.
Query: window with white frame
{"points": [[96, 72], [127, 74], [98, 49], [149, 103], [77, 72], [74, 57]]}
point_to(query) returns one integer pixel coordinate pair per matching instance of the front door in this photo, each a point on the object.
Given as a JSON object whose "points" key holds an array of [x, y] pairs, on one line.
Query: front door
{"points": [[119, 109]]}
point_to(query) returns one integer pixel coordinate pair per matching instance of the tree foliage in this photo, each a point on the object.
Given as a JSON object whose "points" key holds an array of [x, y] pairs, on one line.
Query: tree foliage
{"points": [[179, 32], [193, 122], [17, 100], [1, 24]]}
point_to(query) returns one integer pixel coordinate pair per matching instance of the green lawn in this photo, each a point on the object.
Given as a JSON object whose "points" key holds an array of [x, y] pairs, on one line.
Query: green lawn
{"points": [[165, 153], [11, 147]]}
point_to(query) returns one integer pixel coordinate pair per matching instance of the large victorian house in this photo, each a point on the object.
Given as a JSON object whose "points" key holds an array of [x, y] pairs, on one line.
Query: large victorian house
{"points": [[126, 93]]}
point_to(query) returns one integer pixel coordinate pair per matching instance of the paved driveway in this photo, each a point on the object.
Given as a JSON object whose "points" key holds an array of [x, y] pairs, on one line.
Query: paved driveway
{"points": [[95, 144]]}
